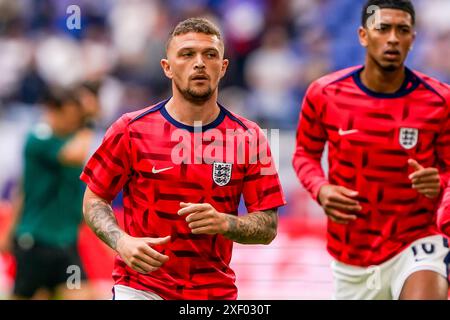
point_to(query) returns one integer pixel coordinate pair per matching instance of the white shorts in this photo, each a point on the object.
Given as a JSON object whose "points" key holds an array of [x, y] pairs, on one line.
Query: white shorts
{"points": [[127, 293], [385, 281]]}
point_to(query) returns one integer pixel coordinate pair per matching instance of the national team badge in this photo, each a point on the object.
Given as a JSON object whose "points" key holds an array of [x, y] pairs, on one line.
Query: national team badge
{"points": [[408, 137], [222, 173]]}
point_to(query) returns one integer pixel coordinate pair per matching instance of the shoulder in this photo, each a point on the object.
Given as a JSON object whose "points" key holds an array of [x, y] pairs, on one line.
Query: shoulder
{"points": [[240, 121], [440, 88], [317, 86], [39, 137], [122, 124], [40, 132]]}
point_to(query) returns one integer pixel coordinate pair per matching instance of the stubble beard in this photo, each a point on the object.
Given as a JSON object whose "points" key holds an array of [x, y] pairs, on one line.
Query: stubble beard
{"points": [[194, 96]]}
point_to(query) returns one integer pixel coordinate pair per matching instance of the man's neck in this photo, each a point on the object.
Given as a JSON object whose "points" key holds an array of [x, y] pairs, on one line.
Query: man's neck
{"points": [[187, 112], [381, 81]]}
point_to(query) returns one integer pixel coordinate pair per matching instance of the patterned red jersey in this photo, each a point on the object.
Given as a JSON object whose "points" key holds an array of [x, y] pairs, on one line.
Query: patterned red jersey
{"points": [[159, 162], [370, 138], [443, 215]]}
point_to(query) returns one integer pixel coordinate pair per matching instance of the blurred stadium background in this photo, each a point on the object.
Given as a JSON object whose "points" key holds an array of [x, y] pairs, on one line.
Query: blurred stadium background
{"points": [[276, 48]]}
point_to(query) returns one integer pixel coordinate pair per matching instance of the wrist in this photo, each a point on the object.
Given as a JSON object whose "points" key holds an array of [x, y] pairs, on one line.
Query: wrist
{"points": [[229, 222], [120, 242], [319, 193]]}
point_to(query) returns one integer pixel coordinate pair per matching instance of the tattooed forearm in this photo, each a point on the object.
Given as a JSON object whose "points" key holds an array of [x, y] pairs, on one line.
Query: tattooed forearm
{"points": [[100, 217], [254, 228]]}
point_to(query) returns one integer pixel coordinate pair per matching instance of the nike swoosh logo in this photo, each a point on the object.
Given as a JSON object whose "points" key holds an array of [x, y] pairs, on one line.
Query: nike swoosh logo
{"points": [[160, 170], [347, 132]]}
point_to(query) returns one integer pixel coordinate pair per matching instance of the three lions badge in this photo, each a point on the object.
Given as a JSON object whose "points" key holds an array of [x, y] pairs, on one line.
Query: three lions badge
{"points": [[222, 173], [408, 137]]}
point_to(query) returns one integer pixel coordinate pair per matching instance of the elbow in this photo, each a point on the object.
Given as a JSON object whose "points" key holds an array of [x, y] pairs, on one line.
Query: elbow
{"points": [[85, 212], [271, 235]]}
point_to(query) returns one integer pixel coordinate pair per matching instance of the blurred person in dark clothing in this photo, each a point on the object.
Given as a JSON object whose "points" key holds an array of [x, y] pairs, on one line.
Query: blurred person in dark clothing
{"points": [[48, 203]]}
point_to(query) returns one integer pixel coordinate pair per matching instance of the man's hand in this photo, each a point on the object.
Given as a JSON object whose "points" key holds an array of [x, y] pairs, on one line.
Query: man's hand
{"points": [[139, 255], [426, 181], [5, 244], [336, 200], [202, 218]]}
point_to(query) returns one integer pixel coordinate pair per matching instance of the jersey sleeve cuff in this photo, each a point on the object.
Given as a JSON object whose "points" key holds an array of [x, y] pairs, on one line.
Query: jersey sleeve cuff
{"points": [[98, 191], [316, 189]]}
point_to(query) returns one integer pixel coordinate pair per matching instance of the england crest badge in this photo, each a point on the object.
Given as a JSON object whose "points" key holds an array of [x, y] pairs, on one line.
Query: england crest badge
{"points": [[222, 173], [408, 137]]}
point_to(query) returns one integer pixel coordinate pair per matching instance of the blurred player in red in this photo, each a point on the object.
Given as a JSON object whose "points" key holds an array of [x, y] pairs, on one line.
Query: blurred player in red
{"points": [[388, 134], [181, 217]]}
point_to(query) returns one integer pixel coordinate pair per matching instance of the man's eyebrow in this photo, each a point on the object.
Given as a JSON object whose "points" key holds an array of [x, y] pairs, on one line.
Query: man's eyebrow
{"points": [[185, 49], [210, 49], [203, 50], [390, 24]]}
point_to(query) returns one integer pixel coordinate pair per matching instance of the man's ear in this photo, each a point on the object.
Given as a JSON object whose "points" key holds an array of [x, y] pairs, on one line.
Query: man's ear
{"points": [[165, 65], [414, 40], [225, 64], [363, 34]]}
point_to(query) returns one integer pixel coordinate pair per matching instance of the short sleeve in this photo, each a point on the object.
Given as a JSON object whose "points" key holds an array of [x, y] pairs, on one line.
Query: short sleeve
{"points": [[108, 169], [262, 189]]}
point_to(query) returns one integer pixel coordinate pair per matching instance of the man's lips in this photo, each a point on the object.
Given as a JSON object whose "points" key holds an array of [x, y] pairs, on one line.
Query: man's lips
{"points": [[200, 77], [392, 53]]}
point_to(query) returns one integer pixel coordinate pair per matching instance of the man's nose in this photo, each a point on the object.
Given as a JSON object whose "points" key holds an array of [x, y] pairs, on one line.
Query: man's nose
{"points": [[199, 63], [393, 38]]}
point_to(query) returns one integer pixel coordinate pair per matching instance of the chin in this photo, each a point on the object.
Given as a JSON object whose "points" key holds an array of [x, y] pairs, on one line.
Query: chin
{"points": [[391, 67], [197, 96]]}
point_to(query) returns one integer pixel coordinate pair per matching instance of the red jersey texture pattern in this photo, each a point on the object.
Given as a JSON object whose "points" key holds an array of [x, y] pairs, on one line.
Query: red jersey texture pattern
{"points": [[370, 139], [137, 156]]}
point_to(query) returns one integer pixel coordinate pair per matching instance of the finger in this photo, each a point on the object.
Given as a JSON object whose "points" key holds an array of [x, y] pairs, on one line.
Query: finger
{"points": [[426, 186], [141, 267], [348, 192], [424, 173], [204, 230], [185, 204], [340, 221], [343, 207], [429, 192], [429, 179], [199, 215], [340, 215], [157, 241], [339, 198], [200, 224], [415, 165], [145, 260], [193, 207], [152, 253], [136, 268]]}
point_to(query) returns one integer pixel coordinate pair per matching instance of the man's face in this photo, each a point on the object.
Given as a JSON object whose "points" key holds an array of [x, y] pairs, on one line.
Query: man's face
{"points": [[71, 117], [389, 41], [195, 64]]}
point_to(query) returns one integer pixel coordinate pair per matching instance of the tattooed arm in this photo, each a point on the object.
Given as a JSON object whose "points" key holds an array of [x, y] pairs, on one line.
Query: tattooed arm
{"points": [[99, 216], [135, 252], [254, 228]]}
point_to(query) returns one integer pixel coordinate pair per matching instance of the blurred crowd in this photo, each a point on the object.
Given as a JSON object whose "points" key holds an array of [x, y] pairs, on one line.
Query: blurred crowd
{"points": [[276, 48]]}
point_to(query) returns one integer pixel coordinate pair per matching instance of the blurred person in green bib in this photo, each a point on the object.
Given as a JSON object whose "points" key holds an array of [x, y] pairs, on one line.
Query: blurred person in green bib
{"points": [[48, 203]]}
